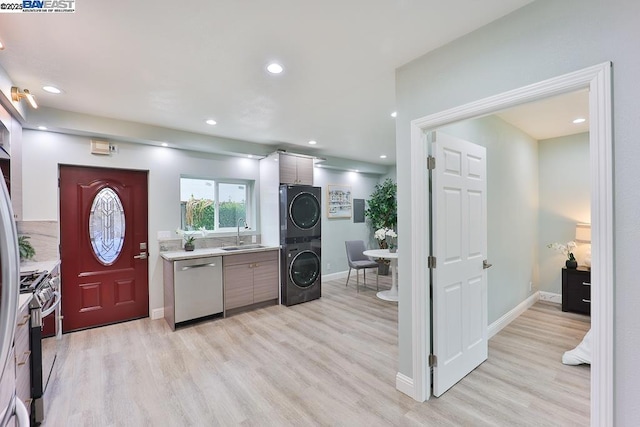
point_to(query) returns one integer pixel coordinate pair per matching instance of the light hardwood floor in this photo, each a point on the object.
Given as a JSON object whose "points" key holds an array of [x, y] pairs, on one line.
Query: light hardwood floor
{"points": [[327, 362]]}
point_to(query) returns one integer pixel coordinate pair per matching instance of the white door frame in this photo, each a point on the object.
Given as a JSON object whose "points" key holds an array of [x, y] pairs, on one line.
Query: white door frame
{"points": [[598, 80]]}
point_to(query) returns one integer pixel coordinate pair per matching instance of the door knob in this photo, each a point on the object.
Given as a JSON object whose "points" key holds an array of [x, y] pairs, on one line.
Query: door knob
{"points": [[485, 264], [143, 255]]}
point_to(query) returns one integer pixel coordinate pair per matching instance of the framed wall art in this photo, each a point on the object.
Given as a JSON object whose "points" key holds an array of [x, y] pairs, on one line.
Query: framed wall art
{"points": [[339, 202]]}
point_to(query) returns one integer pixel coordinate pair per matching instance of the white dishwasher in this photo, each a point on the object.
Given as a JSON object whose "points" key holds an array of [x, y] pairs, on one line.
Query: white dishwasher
{"points": [[198, 288]]}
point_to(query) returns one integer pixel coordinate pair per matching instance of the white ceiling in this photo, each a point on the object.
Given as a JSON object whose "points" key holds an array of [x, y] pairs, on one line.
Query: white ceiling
{"points": [[177, 64], [551, 117]]}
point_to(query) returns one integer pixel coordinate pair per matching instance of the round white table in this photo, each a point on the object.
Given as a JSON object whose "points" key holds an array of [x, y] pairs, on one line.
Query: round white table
{"points": [[391, 294]]}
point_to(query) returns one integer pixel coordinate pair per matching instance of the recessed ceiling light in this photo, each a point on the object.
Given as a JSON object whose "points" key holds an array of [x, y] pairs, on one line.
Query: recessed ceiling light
{"points": [[1, 45], [275, 68], [383, 156], [394, 114], [164, 144], [51, 89], [42, 127], [579, 120], [312, 142], [211, 122]]}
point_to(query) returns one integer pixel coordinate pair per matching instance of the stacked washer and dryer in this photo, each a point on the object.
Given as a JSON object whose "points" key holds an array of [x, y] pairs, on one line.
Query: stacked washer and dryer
{"points": [[300, 240]]}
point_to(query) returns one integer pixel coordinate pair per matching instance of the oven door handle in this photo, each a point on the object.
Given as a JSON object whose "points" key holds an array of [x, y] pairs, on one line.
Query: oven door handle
{"points": [[53, 306]]}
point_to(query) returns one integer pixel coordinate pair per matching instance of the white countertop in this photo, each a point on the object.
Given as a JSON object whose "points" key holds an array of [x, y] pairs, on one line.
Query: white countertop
{"points": [[199, 253], [39, 265]]}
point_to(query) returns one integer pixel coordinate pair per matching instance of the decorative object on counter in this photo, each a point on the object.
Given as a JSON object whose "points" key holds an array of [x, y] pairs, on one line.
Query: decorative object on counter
{"points": [[189, 239], [26, 250], [189, 243], [567, 250]]}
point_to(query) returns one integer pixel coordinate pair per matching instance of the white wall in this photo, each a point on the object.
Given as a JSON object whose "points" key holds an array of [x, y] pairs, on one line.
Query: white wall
{"points": [[336, 231], [546, 38], [44, 151], [564, 201], [512, 209]]}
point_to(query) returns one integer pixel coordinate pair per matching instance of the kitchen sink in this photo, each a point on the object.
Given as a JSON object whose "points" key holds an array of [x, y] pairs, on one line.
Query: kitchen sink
{"points": [[242, 247]]}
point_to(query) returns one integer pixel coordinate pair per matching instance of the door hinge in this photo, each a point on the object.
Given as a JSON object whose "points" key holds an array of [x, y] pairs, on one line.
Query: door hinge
{"points": [[431, 162], [431, 262], [433, 360]]}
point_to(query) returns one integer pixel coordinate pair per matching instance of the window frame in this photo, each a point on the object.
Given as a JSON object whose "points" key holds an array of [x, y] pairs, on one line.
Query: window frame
{"points": [[250, 203]]}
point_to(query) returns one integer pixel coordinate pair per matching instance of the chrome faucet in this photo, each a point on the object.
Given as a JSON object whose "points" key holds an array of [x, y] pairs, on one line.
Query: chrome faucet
{"points": [[246, 226]]}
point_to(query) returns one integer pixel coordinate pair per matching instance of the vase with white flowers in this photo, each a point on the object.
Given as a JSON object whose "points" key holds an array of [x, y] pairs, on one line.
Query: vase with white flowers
{"points": [[386, 238], [566, 249]]}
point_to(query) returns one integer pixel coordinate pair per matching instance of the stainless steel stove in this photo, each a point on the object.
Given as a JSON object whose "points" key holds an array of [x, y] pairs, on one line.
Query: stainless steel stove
{"points": [[46, 301]]}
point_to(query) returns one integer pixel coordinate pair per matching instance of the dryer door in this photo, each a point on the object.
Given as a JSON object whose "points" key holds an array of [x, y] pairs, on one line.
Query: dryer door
{"points": [[304, 211], [304, 269]]}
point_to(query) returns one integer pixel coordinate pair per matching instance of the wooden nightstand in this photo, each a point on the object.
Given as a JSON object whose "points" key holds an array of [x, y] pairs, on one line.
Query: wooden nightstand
{"points": [[576, 290]]}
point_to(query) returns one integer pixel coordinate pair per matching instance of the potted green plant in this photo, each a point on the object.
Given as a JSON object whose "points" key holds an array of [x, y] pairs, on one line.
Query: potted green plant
{"points": [[189, 242], [26, 250], [566, 250], [382, 213]]}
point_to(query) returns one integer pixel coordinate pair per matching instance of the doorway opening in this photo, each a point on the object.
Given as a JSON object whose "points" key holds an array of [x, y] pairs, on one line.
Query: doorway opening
{"points": [[597, 80]]}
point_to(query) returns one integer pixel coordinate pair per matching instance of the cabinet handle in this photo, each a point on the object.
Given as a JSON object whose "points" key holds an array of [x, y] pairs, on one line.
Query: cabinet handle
{"points": [[25, 319], [586, 283], [189, 267], [586, 300], [26, 357]]}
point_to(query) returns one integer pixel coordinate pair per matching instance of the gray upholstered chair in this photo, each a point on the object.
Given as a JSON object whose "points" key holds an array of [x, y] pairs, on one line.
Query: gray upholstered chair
{"points": [[359, 261]]}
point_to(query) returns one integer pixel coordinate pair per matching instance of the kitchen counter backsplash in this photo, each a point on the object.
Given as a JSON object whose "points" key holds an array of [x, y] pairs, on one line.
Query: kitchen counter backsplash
{"points": [[43, 236], [176, 244]]}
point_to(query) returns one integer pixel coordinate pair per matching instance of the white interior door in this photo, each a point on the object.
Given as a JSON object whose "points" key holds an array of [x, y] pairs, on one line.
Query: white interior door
{"points": [[459, 191]]}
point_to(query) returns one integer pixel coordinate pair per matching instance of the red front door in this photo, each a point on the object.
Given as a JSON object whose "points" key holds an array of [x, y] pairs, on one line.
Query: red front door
{"points": [[103, 232]]}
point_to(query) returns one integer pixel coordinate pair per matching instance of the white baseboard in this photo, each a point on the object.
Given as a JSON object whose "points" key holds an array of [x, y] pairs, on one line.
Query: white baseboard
{"points": [[551, 297], [509, 317], [157, 313], [404, 384], [335, 276]]}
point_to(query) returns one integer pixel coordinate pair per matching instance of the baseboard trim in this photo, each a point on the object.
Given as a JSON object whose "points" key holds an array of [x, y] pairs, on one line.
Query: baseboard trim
{"points": [[509, 317], [551, 297], [157, 313], [335, 276], [404, 384]]}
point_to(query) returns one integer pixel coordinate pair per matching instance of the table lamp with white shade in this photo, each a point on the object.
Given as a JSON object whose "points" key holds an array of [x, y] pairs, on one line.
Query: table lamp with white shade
{"points": [[583, 235]]}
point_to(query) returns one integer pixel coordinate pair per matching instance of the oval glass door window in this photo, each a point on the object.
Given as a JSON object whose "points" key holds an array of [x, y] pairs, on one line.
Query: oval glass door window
{"points": [[304, 269], [304, 211], [106, 226]]}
